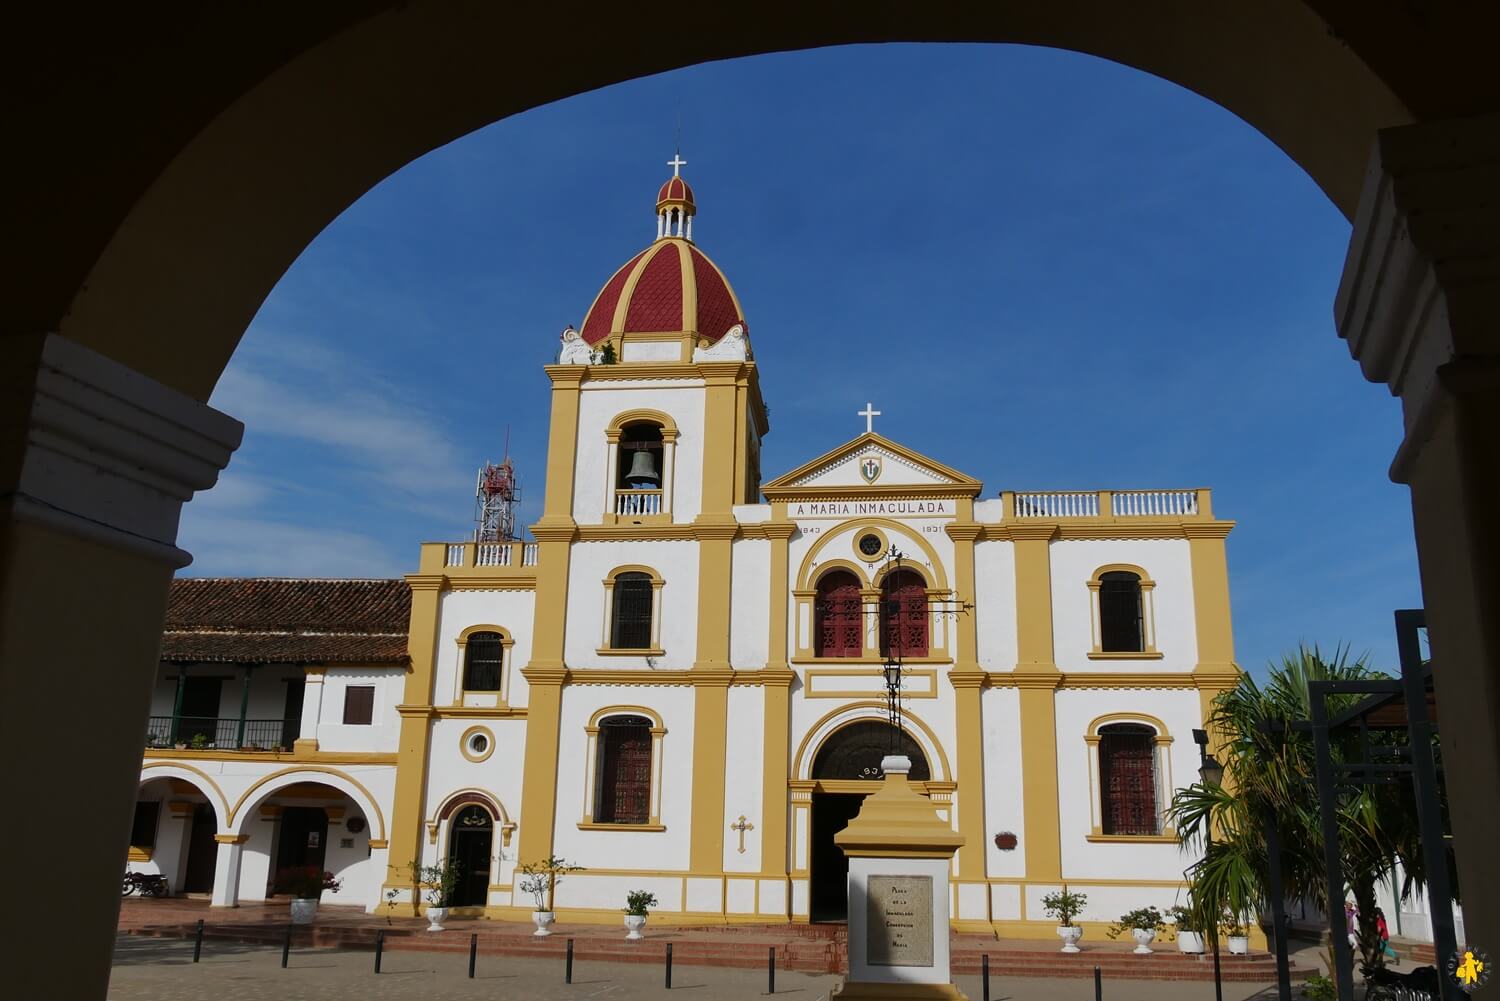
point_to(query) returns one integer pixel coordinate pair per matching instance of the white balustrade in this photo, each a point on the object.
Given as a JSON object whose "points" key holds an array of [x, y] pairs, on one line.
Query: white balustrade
{"points": [[637, 502], [1057, 505], [455, 557], [528, 554], [1155, 503], [493, 554]]}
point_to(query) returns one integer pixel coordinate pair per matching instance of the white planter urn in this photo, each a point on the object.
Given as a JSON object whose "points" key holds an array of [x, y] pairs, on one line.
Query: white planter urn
{"points": [[1070, 934], [635, 922], [1143, 937], [1239, 945], [435, 918], [1190, 941], [542, 920], [304, 909]]}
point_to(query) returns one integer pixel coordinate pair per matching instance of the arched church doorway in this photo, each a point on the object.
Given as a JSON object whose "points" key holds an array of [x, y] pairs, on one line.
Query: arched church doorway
{"points": [[470, 843], [846, 770]]}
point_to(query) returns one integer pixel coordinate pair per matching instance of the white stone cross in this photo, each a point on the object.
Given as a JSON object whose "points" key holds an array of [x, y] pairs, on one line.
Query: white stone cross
{"points": [[676, 163], [869, 414]]}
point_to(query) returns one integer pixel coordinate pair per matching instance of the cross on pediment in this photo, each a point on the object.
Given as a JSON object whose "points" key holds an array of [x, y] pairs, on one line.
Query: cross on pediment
{"points": [[869, 414]]}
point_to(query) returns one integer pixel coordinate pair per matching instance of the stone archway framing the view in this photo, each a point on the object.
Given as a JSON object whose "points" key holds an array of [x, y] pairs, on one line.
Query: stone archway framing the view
{"points": [[169, 182]]}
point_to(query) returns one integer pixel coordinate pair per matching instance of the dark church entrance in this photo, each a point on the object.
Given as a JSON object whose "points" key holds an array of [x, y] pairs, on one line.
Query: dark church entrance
{"points": [[470, 845], [846, 768]]}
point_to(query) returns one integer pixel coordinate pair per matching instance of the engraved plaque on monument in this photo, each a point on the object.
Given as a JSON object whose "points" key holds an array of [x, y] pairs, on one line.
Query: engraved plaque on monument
{"points": [[898, 921]]}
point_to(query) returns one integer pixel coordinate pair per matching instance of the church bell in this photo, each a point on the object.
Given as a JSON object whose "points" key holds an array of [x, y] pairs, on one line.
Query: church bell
{"points": [[643, 468]]}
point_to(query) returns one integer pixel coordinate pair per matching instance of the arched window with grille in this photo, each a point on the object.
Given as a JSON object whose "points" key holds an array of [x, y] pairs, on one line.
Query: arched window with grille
{"points": [[1127, 780], [484, 654], [633, 605], [623, 783], [1121, 622], [903, 614], [838, 612]]}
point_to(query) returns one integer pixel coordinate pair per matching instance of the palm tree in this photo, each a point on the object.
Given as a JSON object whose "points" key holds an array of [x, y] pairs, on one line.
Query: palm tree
{"points": [[1269, 767]]}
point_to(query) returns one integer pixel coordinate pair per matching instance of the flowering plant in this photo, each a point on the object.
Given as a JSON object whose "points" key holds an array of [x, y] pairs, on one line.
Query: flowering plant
{"points": [[306, 882]]}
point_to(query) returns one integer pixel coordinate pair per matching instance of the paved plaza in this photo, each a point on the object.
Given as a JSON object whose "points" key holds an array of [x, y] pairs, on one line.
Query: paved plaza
{"points": [[163, 970]]}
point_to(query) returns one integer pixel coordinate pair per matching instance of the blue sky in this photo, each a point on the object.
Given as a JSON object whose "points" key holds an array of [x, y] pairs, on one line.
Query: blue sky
{"points": [[1046, 270]]}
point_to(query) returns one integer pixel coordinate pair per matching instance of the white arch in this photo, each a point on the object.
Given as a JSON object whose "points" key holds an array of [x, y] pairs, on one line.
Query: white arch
{"points": [[199, 780], [269, 785], [937, 761]]}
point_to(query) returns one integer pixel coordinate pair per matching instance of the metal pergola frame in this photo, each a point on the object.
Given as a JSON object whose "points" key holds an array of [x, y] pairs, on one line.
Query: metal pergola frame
{"points": [[1409, 692]]}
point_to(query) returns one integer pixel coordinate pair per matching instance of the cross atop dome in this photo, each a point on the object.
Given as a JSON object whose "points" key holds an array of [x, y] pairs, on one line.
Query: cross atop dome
{"points": [[674, 203]]}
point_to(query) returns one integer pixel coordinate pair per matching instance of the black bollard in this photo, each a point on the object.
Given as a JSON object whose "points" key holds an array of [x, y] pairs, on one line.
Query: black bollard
{"points": [[1098, 986], [771, 978], [984, 975], [286, 946], [198, 942], [379, 947], [568, 969], [473, 952], [669, 966]]}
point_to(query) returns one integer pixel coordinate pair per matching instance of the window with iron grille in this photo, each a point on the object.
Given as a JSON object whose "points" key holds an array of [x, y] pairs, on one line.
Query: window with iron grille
{"points": [[903, 615], [359, 704], [1120, 613], [631, 625], [1127, 779], [143, 829], [483, 653], [837, 613], [624, 771]]}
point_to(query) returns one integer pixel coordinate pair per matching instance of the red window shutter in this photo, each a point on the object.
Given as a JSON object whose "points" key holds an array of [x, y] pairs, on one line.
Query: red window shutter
{"points": [[903, 615], [359, 704], [1127, 775], [839, 611], [625, 775]]}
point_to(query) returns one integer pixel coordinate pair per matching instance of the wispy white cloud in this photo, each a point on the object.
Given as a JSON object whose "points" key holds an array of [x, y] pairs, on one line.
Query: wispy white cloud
{"points": [[356, 422], [250, 546]]}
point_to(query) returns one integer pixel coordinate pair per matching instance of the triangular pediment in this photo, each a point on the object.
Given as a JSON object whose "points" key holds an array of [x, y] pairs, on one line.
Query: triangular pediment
{"points": [[873, 465]]}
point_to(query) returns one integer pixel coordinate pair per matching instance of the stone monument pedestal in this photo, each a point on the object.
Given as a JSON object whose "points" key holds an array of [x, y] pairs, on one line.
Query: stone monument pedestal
{"points": [[899, 854]]}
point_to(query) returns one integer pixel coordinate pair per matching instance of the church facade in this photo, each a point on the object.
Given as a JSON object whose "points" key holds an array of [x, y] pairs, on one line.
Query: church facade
{"points": [[683, 684]]}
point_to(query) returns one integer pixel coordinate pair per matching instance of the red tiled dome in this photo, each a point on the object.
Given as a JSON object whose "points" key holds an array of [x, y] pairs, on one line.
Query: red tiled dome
{"points": [[670, 286], [675, 192]]}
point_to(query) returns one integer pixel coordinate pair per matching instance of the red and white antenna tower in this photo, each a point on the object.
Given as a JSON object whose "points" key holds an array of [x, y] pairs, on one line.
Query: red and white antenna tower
{"points": [[495, 497]]}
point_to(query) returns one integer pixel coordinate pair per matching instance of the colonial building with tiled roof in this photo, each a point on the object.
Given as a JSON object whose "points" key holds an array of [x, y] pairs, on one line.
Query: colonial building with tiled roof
{"points": [[690, 679]]}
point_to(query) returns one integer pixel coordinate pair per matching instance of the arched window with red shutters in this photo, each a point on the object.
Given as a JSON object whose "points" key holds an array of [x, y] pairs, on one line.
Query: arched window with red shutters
{"points": [[623, 793], [838, 612], [1127, 779], [903, 615]]}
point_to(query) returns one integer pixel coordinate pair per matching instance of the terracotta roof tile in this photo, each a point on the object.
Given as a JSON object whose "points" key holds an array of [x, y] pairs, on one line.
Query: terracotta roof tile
{"points": [[290, 621]]}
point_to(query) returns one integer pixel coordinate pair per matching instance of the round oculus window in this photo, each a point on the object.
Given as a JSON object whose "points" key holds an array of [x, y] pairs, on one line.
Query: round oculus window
{"points": [[478, 743], [870, 545]]}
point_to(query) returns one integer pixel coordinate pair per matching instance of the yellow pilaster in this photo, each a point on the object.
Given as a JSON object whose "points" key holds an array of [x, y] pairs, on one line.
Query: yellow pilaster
{"points": [[1037, 677], [968, 683], [1216, 670], [545, 674], [774, 860], [416, 717], [710, 740], [539, 781]]}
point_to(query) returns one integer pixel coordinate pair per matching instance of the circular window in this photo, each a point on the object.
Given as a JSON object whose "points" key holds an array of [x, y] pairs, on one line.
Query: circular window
{"points": [[871, 545], [477, 743]]}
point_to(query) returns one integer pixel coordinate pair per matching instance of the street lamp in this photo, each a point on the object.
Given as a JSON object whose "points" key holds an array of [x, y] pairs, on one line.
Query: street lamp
{"points": [[1212, 774]]}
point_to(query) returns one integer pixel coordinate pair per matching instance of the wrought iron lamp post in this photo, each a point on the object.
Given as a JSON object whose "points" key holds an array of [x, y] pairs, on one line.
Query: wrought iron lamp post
{"points": [[1212, 774]]}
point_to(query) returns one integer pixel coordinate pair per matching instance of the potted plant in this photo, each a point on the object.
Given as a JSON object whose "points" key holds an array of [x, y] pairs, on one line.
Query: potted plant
{"points": [[1144, 923], [540, 879], [1233, 926], [1189, 938], [439, 883], [1065, 906], [306, 884], [199, 741], [637, 906]]}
